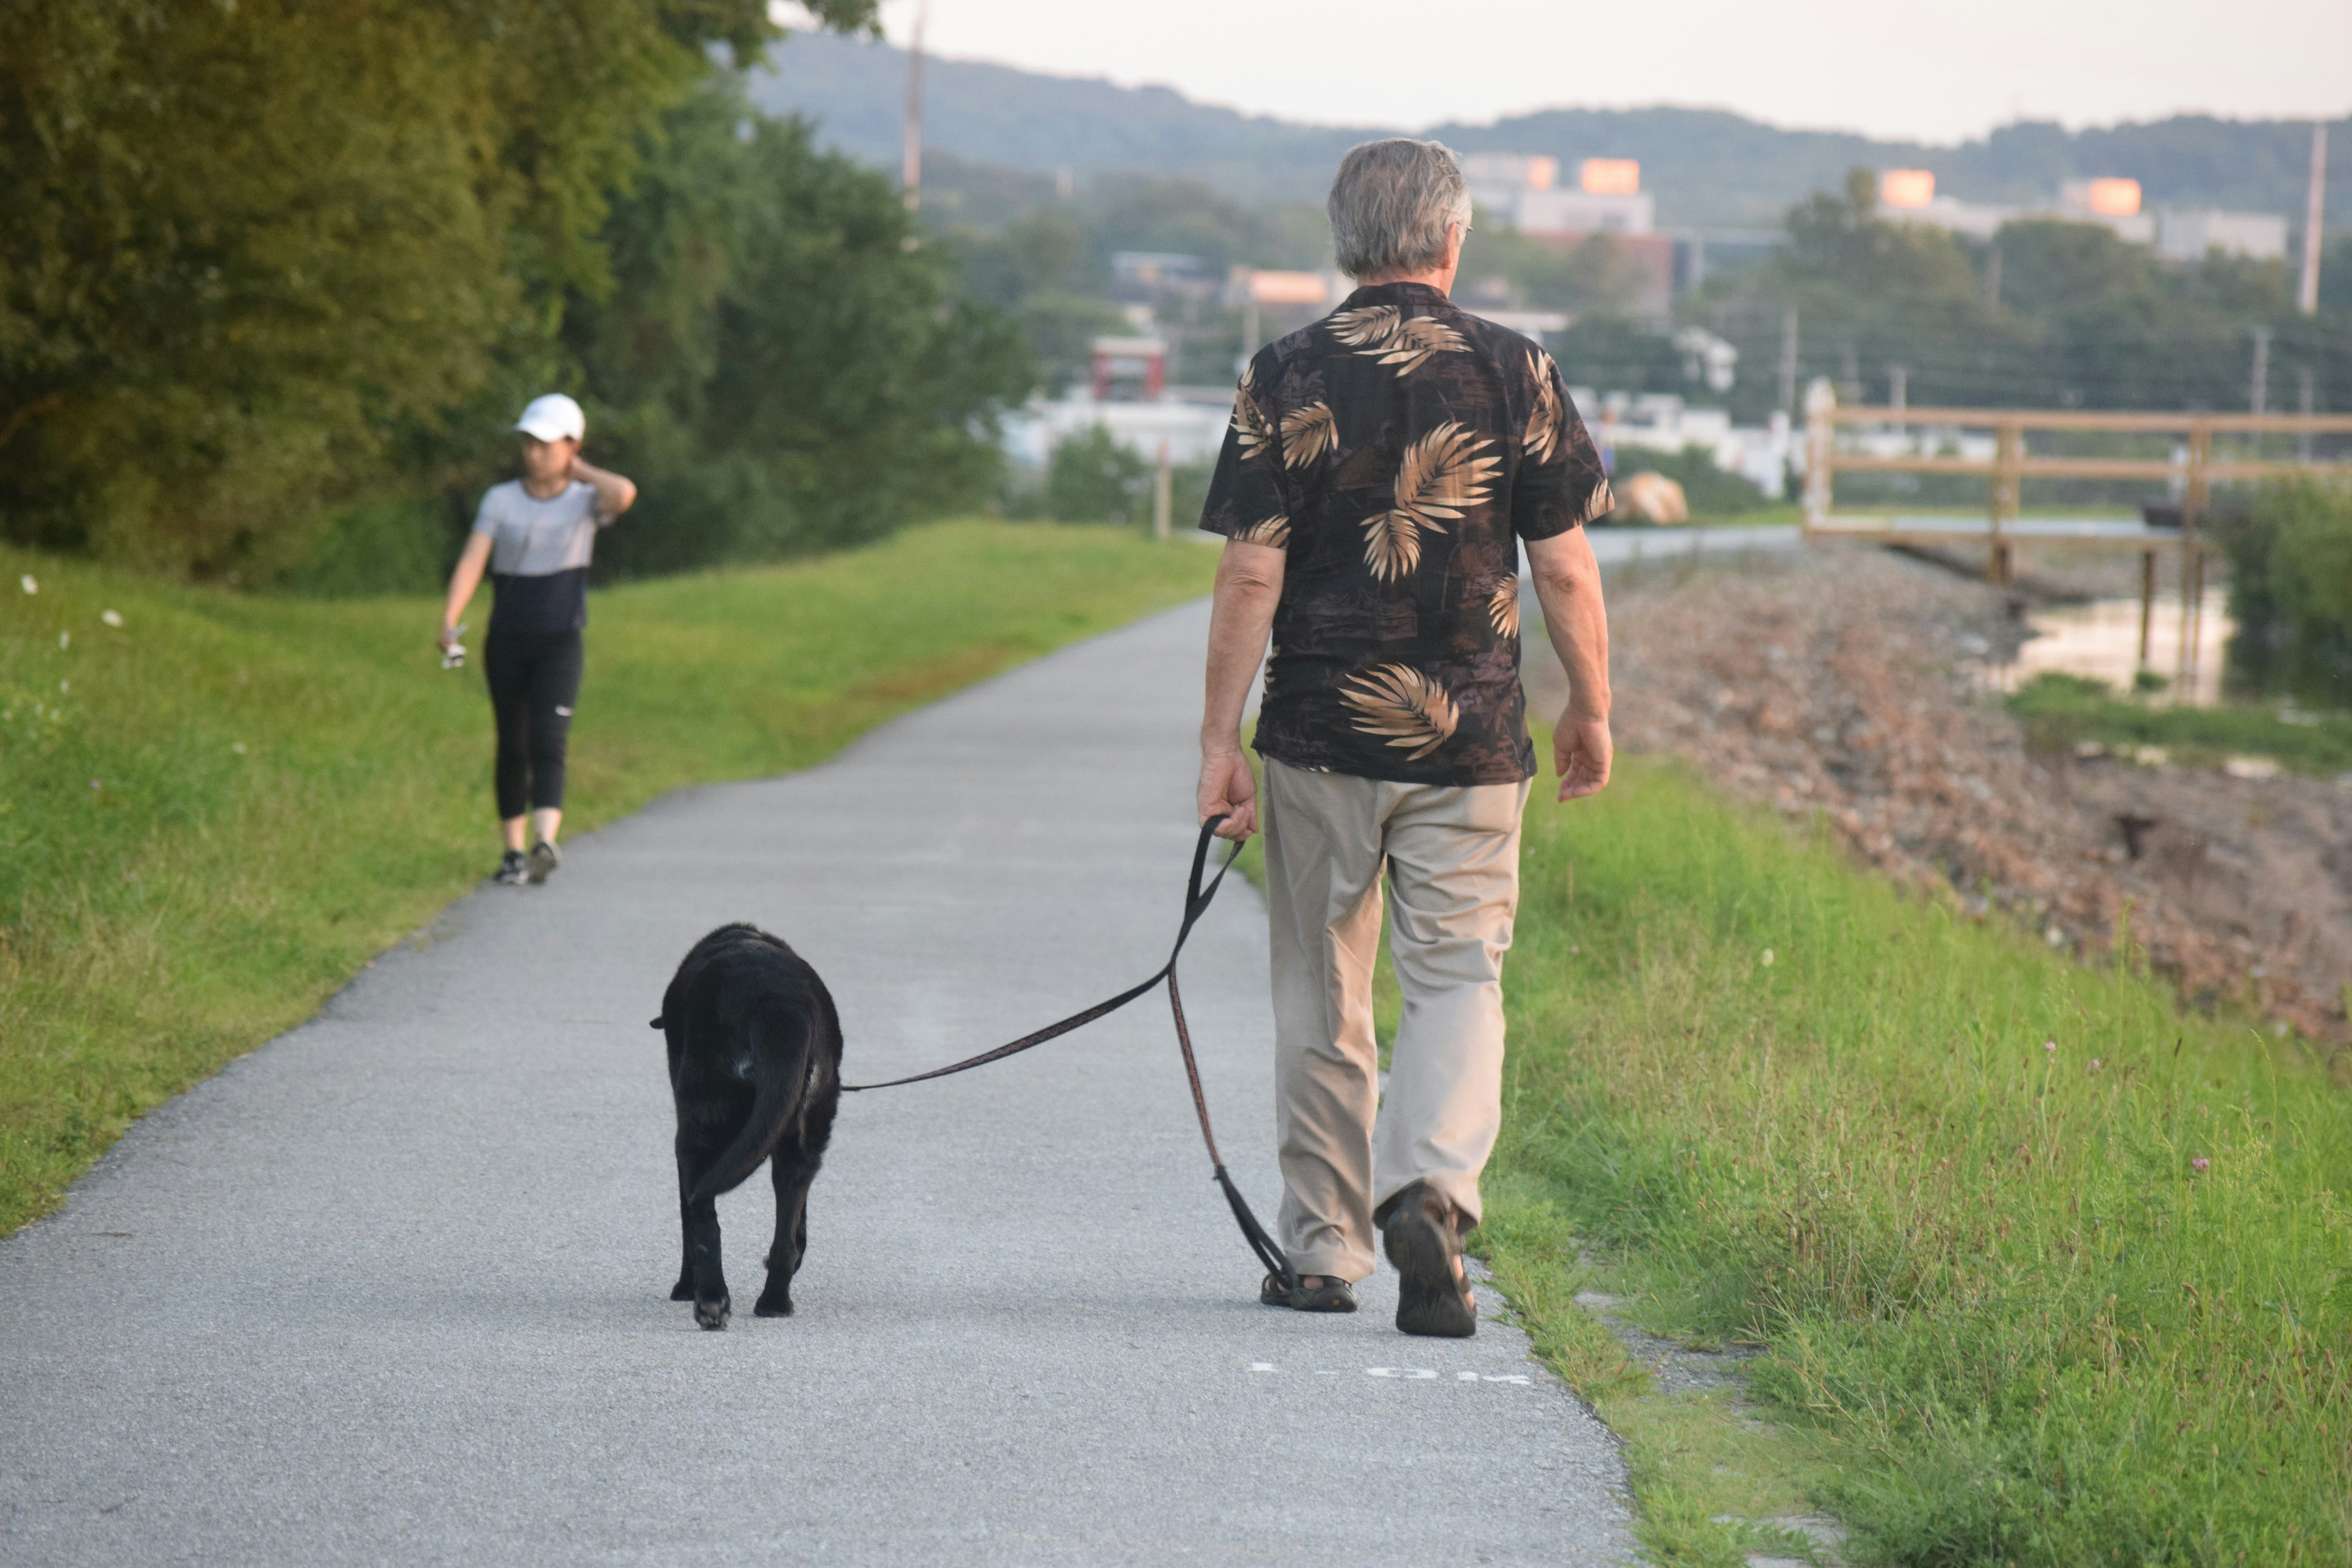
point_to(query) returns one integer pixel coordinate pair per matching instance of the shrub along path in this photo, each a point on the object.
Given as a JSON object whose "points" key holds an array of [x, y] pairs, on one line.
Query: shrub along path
{"points": [[395, 1286]]}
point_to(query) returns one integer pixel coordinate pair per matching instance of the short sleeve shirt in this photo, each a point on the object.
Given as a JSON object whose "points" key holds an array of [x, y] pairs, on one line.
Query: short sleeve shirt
{"points": [[540, 552], [1396, 451]]}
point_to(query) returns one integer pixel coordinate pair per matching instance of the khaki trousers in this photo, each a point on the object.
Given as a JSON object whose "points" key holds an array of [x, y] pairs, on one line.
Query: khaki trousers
{"points": [[1452, 859]]}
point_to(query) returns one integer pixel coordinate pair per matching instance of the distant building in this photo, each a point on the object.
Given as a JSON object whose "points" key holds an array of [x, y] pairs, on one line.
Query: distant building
{"points": [[2186, 234], [1129, 369], [2177, 234], [1498, 179], [1523, 190], [1154, 274]]}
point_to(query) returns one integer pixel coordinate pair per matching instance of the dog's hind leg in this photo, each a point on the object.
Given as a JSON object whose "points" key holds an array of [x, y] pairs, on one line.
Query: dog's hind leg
{"points": [[702, 1278], [793, 1169]]}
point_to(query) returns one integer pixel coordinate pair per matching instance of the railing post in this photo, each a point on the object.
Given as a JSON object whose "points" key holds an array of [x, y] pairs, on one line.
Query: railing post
{"points": [[2009, 453], [1821, 443], [2193, 498]]}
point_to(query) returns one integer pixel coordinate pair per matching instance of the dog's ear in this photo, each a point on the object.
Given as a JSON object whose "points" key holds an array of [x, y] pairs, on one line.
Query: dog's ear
{"points": [[655, 1024]]}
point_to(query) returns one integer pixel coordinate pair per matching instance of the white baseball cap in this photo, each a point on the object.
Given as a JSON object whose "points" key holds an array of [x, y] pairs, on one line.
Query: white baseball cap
{"points": [[553, 417]]}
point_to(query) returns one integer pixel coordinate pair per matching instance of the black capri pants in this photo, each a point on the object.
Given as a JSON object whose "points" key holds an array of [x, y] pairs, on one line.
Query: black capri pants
{"points": [[534, 680]]}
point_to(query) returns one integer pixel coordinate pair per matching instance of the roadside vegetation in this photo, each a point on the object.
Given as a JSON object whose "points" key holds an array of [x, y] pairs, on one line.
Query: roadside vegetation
{"points": [[215, 807], [2066, 710], [2034, 1268]]}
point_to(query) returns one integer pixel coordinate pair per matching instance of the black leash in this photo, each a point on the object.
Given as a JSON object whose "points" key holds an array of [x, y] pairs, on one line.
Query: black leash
{"points": [[1196, 904]]}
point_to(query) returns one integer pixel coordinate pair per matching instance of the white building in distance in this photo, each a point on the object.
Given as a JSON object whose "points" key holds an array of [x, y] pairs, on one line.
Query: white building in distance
{"points": [[2177, 234]]}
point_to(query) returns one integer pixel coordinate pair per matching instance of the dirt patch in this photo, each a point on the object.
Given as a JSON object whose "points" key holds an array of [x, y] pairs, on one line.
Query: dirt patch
{"points": [[1846, 681]]}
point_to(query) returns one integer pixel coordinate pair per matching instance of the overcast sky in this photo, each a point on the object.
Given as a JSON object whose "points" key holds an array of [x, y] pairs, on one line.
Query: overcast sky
{"points": [[1892, 68]]}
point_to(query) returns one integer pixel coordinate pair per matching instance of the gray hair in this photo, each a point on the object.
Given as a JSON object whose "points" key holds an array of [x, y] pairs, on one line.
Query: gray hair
{"points": [[1390, 205]]}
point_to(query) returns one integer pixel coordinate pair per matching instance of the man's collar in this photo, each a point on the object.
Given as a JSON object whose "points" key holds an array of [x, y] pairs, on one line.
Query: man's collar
{"points": [[1393, 294]]}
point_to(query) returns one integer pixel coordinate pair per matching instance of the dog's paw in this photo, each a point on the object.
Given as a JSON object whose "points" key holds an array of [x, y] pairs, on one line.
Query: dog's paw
{"points": [[713, 1314], [683, 1291], [772, 1304]]}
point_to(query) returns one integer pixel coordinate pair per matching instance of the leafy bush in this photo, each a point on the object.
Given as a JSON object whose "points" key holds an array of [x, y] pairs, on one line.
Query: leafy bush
{"points": [[2290, 577], [1093, 478], [377, 548]]}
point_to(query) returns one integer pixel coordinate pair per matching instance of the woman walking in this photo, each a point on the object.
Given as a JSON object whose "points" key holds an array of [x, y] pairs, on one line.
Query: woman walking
{"points": [[535, 535]]}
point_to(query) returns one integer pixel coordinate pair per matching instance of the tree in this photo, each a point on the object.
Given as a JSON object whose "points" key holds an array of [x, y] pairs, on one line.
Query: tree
{"points": [[773, 363], [255, 249]]}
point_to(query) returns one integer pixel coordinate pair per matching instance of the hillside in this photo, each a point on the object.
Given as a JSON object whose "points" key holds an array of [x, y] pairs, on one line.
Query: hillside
{"points": [[1708, 167]]}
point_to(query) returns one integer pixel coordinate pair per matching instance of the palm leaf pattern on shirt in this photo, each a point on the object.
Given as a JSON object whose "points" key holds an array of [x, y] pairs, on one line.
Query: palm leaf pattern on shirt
{"points": [[1441, 476], [1548, 419], [1273, 532], [1600, 504], [1410, 711], [1252, 429], [1307, 433], [1503, 607], [1386, 334]]}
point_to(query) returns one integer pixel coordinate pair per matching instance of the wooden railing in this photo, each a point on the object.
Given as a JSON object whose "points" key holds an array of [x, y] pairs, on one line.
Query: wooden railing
{"points": [[2193, 467]]}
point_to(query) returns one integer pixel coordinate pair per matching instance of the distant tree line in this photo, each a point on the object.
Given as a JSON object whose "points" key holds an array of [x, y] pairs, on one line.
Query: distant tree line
{"points": [[278, 273], [2046, 314]]}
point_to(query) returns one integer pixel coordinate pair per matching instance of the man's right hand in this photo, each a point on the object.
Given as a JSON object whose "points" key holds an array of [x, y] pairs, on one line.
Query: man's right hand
{"points": [[1228, 790], [1580, 753]]}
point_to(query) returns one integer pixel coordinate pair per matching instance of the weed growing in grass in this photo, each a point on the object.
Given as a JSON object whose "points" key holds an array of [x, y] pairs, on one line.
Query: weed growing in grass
{"points": [[215, 812], [2045, 1271]]}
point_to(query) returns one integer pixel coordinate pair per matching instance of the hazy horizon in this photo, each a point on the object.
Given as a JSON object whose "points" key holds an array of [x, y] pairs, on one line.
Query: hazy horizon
{"points": [[1824, 65]]}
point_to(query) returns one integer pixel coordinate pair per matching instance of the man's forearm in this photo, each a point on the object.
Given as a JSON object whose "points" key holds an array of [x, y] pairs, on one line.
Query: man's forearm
{"points": [[1568, 585], [1241, 617]]}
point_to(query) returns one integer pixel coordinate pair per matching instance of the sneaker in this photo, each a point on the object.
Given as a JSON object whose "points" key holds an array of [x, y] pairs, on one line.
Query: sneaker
{"points": [[1424, 1243], [544, 858], [513, 870]]}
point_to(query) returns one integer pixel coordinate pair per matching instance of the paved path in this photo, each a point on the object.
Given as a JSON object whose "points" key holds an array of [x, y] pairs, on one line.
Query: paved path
{"points": [[392, 1289], [1618, 547]]}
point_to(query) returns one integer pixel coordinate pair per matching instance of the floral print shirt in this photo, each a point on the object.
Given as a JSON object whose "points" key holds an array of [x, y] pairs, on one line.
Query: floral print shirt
{"points": [[1396, 451]]}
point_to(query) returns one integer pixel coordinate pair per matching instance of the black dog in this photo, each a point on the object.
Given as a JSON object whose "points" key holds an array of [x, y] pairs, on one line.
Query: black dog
{"points": [[755, 1066]]}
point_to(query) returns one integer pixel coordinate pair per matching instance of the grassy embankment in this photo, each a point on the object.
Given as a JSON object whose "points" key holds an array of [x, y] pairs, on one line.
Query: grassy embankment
{"points": [[2043, 1271], [214, 814], [2063, 710], [2034, 1268]]}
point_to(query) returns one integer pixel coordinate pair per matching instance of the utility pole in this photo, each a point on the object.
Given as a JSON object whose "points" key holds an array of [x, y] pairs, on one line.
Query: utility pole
{"points": [[1788, 360], [911, 169], [2315, 206], [1898, 387], [2259, 401], [1163, 493]]}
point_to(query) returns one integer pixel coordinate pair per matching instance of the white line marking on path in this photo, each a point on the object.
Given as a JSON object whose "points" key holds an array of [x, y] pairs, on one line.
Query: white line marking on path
{"points": [[1413, 1373]]}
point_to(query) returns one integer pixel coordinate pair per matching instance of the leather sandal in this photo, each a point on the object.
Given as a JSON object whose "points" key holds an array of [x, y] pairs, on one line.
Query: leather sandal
{"points": [[1333, 1295], [1421, 1239]]}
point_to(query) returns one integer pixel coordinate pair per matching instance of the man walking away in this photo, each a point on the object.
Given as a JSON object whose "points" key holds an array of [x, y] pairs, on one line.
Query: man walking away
{"points": [[1383, 468]]}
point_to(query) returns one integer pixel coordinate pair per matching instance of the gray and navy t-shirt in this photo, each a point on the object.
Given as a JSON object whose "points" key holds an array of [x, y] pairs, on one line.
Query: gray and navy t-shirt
{"points": [[539, 556]]}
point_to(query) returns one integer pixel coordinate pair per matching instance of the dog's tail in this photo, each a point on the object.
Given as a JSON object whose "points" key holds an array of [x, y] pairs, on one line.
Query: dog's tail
{"points": [[783, 1061]]}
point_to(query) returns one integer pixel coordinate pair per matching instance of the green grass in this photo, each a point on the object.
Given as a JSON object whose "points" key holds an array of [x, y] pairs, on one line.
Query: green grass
{"points": [[213, 815], [2044, 1272], [2059, 710]]}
